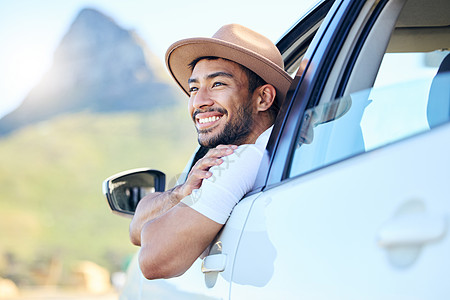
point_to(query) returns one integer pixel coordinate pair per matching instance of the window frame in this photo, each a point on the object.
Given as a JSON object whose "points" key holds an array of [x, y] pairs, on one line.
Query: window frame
{"points": [[307, 90], [291, 50]]}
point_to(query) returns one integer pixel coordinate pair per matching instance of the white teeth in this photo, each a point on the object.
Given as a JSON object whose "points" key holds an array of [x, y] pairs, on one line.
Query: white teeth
{"points": [[208, 120]]}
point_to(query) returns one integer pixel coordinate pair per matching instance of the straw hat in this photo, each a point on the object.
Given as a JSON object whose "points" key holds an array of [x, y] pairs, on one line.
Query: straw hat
{"points": [[236, 43]]}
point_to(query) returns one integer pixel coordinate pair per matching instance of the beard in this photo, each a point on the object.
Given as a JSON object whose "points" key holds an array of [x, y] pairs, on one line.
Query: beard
{"points": [[235, 132]]}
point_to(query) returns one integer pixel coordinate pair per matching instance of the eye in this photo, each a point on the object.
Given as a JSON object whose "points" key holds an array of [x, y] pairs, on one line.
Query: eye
{"points": [[193, 89], [218, 83]]}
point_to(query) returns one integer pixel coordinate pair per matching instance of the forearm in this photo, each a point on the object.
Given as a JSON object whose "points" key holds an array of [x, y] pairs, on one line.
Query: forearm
{"points": [[172, 242], [150, 208]]}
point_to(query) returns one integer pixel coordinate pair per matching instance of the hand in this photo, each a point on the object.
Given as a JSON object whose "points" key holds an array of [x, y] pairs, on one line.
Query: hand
{"points": [[201, 168]]}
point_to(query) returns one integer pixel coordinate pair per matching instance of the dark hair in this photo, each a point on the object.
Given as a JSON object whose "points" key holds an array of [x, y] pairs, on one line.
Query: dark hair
{"points": [[254, 81]]}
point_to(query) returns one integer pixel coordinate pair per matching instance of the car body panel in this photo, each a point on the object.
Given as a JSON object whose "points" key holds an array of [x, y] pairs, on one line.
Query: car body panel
{"points": [[323, 243]]}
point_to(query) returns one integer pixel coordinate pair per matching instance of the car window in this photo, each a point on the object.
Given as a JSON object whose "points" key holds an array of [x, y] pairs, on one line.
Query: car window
{"points": [[410, 94], [365, 121]]}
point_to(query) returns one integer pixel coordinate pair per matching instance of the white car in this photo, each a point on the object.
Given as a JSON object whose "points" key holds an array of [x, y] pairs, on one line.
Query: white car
{"points": [[352, 200]]}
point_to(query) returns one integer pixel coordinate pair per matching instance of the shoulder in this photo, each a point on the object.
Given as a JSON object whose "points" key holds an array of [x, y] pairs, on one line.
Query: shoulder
{"points": [[248, 150], [247, 154], [244, 161]]}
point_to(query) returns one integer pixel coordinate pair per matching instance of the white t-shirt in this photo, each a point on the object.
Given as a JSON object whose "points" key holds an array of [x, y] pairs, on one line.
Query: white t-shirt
{"points": [[230, 181]]}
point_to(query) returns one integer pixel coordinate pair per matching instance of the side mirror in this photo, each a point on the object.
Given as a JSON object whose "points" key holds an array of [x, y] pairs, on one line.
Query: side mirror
{"points": [[124, 190]]}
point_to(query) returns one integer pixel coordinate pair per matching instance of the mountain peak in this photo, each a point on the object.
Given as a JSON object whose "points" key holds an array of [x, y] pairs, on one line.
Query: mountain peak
{"points": [[98, 66], [92, 13], [91, 30]]}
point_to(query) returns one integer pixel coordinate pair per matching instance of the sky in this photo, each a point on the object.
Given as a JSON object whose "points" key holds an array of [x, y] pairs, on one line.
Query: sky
{"points": [[30, 30]]}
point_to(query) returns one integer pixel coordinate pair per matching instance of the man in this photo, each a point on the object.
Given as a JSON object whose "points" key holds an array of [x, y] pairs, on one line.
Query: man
{"points": [[235, 81]]}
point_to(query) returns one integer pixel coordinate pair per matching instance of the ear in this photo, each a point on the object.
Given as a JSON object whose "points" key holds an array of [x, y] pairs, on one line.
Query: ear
{"points": [[266, 97]]}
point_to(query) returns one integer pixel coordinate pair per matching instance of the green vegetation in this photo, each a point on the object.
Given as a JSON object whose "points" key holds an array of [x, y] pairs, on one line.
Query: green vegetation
{"points": [[52, 211]]}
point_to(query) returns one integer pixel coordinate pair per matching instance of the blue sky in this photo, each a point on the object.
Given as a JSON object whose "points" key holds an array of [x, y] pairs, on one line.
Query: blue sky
{"points": [[31, 29]]}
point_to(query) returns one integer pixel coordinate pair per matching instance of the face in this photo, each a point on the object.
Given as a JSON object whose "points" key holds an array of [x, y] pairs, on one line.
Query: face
{"points": [[220, 103]]}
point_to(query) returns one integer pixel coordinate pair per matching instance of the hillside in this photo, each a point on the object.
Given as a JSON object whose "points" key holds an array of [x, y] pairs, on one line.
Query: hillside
{"points": [[52, 210]]}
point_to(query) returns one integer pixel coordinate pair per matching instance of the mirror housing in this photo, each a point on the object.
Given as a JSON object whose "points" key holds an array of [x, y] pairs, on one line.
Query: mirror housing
{"points": [[124, 190]]}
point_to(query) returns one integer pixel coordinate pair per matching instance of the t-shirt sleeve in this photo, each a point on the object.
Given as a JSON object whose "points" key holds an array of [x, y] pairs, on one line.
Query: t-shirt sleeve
{"points": [[230, 181]]}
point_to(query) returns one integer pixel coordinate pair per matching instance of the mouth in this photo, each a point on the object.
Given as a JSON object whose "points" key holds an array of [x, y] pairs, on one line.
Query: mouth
{"points": [[207, 120]]}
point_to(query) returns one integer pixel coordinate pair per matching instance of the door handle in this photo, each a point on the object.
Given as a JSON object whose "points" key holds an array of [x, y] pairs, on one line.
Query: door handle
{"points": [[414, 229], [214, 263]]}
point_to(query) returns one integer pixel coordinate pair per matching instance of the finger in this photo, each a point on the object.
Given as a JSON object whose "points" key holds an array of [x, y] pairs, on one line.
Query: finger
{"points": [[207, 162], [220, 152], [196, 178], [194, 181], [211, 161], [201, 174], [227, 146]]}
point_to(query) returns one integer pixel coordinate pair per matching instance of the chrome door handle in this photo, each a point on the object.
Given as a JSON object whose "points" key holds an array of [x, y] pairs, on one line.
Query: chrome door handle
{"points": [[214, 263], [412, 230]]}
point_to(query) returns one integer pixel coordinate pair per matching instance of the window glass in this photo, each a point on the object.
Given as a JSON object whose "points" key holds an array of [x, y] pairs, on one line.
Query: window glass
{"points": [[404, 66], [369, 119], [410, 95]]}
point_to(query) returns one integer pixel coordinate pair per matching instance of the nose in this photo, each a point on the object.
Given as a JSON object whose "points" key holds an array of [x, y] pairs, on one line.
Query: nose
{"points": [[201, 98]]}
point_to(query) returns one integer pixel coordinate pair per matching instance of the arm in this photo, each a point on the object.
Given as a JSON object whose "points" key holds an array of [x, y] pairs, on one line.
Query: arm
{"points": [[173, 241], [151, 207], [156, 204]]}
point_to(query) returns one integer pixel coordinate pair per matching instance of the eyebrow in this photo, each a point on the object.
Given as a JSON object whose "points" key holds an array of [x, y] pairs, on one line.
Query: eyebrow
{"points": [[211, 76]]}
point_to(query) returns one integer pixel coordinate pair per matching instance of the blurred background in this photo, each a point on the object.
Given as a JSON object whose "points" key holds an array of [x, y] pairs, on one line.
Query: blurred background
{"points": [[84, 94]]}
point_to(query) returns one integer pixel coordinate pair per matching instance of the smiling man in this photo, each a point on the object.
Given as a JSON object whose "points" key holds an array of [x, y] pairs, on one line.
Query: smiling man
{"points": [[235, 82], [221, 103]]}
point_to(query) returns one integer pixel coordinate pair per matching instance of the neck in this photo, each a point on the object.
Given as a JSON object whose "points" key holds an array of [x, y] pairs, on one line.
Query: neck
{"points": [[258, 129]]}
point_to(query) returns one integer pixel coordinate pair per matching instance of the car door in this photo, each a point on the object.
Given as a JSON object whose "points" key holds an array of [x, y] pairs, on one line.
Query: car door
{"points": [[356, 201]]}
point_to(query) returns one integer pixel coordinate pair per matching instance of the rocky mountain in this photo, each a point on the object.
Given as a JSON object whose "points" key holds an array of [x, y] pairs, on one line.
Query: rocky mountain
{"points": [[98, 67]]}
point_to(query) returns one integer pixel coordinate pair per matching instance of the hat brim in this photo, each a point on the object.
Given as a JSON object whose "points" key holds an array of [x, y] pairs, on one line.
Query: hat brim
{"points": [[182, 53]]}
